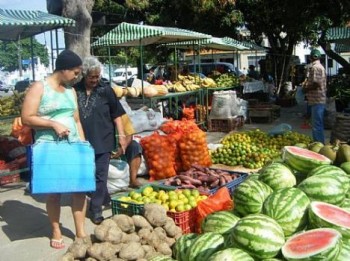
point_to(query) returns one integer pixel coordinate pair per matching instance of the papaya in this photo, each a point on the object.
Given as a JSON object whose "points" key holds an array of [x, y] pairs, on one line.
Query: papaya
{"points": [[346, 167], [315, 146], [329, 151]]}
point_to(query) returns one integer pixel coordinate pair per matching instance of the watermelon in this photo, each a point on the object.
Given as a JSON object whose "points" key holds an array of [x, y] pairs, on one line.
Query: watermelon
{"points": [[303, 160], [258, 235], [346, 204], [288, 207], [249, 197], [254, 176], [326, 169], [322, 214], [181, 246], [345, 250], [230, 254], [316, 244], [277, 176], [220, 222], [204, 246], [326, 187]]}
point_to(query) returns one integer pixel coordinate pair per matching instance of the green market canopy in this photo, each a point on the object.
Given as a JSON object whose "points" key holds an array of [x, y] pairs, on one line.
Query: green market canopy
{"points": [[19, 24], [127, 34], [249, 45], [339, 35]]}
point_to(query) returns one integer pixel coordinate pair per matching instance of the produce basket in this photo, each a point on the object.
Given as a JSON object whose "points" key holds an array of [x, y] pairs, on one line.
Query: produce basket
{"points": [[12, 177], [185, 220], [230, 185], [225, 125]]}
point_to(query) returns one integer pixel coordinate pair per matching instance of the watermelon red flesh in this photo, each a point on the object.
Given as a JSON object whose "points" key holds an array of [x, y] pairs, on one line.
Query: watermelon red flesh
{"points": [[306, 153], [316, 244], [337, 215]]}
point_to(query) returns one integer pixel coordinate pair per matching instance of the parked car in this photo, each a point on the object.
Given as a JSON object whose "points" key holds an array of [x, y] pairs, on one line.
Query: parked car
{"points": [[21, 86]]}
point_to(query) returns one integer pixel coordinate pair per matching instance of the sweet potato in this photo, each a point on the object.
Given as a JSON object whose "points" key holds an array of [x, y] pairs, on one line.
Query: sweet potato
{"points": [[155, 214], [124, 222], [132, 251]]}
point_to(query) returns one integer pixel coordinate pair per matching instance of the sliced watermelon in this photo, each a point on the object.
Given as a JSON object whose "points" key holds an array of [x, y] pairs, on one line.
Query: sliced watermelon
{"points": [[303, 160], [322, 214], [315, 244]]}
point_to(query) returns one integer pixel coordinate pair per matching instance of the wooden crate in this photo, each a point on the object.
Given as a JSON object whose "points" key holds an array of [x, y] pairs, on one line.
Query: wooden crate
{"points": [[225, 125]]}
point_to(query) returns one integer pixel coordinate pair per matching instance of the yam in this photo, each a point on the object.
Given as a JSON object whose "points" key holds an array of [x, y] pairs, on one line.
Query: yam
{"points": [[132, 251], [103, 251], [140, 222], [124, 222], [155, 214], [133, 237], [79, 246]]}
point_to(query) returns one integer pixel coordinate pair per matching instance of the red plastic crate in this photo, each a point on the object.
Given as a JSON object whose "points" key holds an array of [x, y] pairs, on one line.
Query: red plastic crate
{"points": [[9, 168], [13, 178], [185, 220]]}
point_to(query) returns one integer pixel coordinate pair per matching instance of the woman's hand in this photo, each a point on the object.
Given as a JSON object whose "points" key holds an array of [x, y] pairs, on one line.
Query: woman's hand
{"points": [[123, 143], [61, 130]]}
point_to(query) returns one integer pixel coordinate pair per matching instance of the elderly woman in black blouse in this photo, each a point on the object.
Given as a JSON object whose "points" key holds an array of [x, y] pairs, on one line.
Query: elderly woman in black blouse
{"points": [[100, 113]]}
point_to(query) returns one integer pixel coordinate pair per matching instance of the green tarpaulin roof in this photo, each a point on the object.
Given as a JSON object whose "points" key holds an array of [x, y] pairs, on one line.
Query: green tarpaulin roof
{"points": [[19, 24], [342, 48], [338, 35], [127, 34], [212, 43], [248, 45]]}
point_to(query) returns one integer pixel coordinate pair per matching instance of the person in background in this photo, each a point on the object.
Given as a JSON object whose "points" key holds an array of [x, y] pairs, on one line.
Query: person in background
{"points": [[252, 73], [244, 71], [133, 152], [100, 112], [151, 78], [50, 108], [315, 88]]}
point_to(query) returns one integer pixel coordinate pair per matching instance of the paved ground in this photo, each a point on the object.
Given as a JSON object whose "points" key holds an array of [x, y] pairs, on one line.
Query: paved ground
{"points": [[25, 230]]}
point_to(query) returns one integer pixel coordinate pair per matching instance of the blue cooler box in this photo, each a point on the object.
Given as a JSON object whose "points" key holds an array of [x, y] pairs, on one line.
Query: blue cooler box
{"points": [[62, 167]]}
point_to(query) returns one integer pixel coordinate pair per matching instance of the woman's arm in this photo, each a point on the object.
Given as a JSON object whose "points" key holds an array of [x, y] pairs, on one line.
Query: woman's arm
{"points": [[121, 134], [77, 119]]}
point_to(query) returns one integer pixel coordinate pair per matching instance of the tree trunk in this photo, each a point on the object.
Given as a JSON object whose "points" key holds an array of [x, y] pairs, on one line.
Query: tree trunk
{"points": [[77, 38]]}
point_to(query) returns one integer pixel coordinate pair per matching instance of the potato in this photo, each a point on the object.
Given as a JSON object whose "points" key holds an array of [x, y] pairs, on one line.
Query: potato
{"points": [[170, 241], [133, 237], [108, 233], [140, 222], [170, 228], [108, 222], [79, 246], [155, 214], [164, 248], [124, 222], [132, 251], [103, 251], [144, 235], [160, 233], [148, 249], [67, 257], [91, 259]]}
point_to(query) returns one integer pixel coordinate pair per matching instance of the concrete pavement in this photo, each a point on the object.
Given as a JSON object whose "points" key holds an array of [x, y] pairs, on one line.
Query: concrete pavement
{"points": [[25, 229]]}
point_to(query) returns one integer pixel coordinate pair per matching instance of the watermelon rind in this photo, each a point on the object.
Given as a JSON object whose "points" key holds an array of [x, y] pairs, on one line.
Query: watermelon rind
{"points": [[317, 220], [277, 176], [303, 160], [258, 235], [160, 257], [181, 246], [204, 246], [345, 250], [288, 207], [326, 187], [219, 222], [346, 204], [249, 197], [326, 169], [230, 254], [328, 252]]}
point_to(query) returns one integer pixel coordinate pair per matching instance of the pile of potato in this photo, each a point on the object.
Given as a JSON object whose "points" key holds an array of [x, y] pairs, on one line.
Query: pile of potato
{"points": [[128, 238]]}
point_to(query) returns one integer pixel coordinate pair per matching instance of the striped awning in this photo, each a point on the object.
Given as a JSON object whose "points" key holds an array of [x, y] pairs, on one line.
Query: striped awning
{"points": [[342, 48], [126, 34], [211, 43], [19, 24], [338, 35], [248, 45]]}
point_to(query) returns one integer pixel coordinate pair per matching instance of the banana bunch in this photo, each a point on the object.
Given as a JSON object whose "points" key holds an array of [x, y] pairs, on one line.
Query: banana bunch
{"points": [[11, 105], [178, 87], [208, 83], [192, 87]]}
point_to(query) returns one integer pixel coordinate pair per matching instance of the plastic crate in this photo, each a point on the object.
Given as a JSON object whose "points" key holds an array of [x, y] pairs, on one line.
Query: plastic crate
{"points": [[230, 185], [129, 208], [185, 220], [225, 125], [13, 177]]}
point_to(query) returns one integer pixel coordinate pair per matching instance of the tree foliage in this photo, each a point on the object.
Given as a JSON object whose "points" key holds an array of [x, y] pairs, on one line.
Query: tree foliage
{"points": [[9, 53]]}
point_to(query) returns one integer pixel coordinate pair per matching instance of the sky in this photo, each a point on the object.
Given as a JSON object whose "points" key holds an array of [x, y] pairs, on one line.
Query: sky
{"points": [[38, 5]]}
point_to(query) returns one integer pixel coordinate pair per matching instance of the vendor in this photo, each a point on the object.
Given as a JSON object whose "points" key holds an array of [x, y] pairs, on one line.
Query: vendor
{"points": [[252, 73]]}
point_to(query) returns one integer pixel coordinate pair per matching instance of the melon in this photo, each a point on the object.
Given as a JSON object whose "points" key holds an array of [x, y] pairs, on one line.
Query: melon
{"points": [[326, 187], [303, 160], [316, 244], [277, 176], [220, 222], [346, 167], [231, 254], [326, 169], [181, 246], [288, 207], [345, 250], [204, 246], [322, 214]]}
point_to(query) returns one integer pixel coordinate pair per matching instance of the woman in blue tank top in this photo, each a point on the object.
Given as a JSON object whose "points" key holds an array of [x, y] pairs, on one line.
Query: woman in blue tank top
{"points": [[50, 108]]}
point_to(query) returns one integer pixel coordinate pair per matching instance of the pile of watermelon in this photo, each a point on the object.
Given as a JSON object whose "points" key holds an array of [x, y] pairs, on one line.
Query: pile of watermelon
{"points": [[298, 209]]}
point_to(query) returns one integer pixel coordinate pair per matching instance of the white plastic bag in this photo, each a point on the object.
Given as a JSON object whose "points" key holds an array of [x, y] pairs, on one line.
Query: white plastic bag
{"points": [[221, 105], [118, 176], [146, 120]]}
